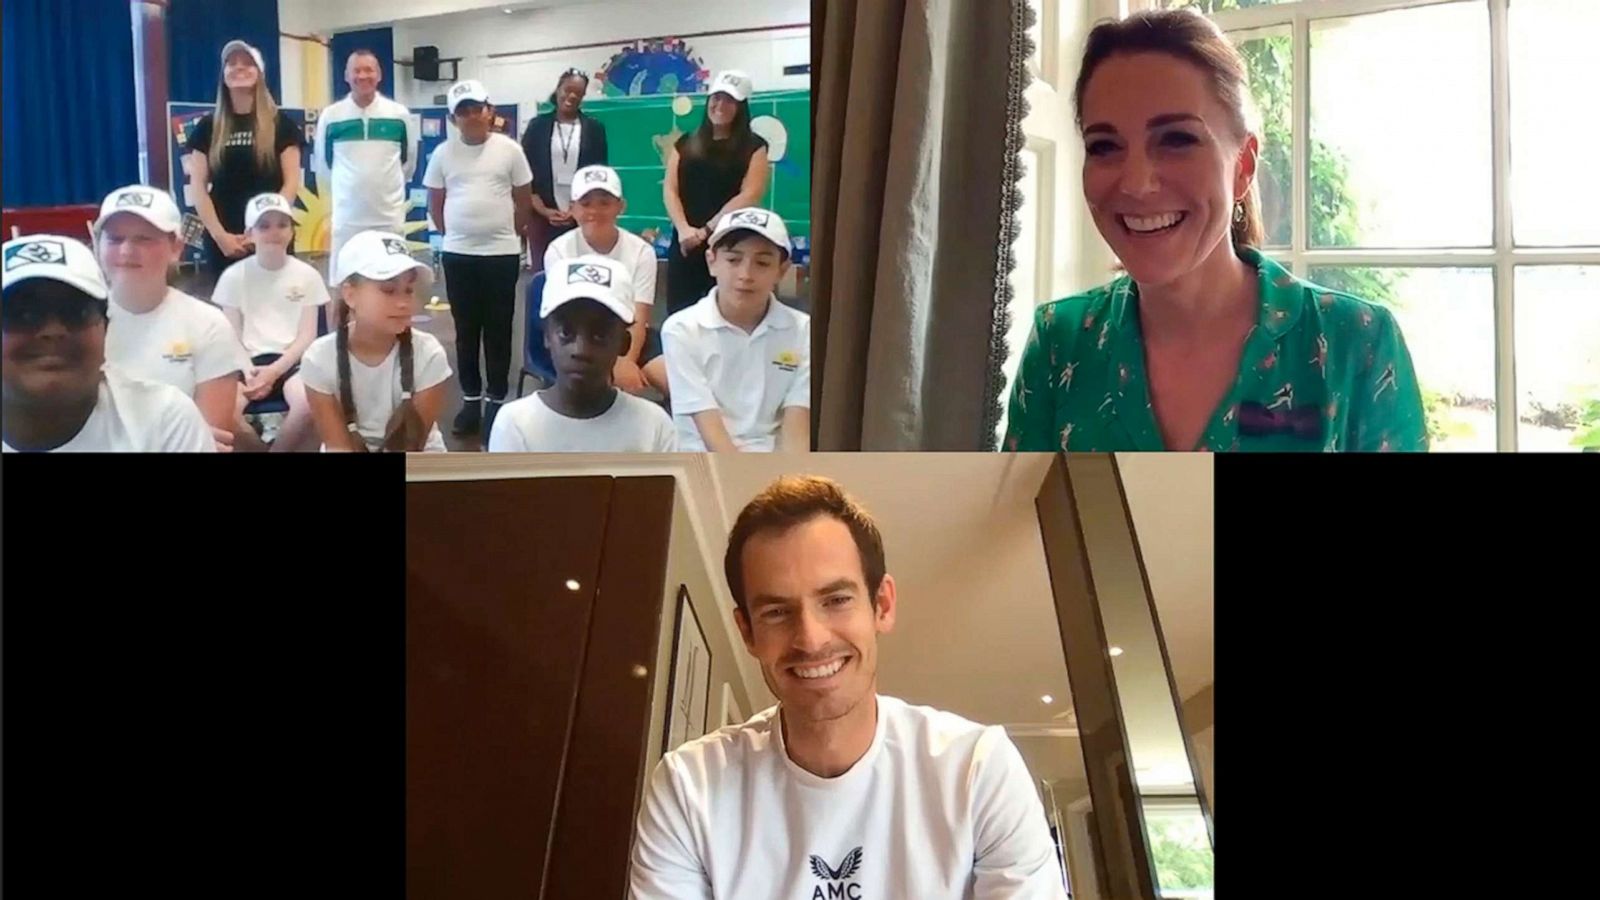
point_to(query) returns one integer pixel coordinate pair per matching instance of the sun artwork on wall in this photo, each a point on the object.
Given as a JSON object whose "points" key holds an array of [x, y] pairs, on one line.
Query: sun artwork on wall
{"points": [[314, 225]]}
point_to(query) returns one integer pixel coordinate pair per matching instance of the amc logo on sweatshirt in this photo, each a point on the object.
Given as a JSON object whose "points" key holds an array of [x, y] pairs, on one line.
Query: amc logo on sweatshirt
{"points": [[836, 882]]}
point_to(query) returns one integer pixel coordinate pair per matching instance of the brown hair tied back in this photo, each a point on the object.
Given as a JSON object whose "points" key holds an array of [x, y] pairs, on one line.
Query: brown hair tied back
{"points": [[1191, 37], [404, 432]]}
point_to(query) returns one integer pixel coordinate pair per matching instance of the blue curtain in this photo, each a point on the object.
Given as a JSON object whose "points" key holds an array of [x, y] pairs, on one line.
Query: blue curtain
{"points": [[196, 32], [379, 40], [71, 120]]}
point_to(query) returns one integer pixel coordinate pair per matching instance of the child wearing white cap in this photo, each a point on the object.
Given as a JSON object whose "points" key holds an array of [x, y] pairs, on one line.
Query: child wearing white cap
{"points": [[158, 332], [59, 395], [587, 308], [271, 300], [739, 362], [480, 196], [715, 169], [245, 146], [597, 203], [376, 384]]}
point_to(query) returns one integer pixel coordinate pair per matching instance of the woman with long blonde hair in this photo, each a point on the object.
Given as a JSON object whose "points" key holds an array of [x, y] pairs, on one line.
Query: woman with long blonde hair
{"points": [[245, 147]]}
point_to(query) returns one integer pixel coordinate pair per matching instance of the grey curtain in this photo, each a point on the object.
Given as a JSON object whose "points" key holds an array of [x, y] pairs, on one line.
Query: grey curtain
{"points": [[918, 105]]}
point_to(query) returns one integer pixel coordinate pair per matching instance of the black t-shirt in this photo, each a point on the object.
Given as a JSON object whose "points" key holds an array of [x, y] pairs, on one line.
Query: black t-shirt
{"points": [[708, 180], [239, 178]]}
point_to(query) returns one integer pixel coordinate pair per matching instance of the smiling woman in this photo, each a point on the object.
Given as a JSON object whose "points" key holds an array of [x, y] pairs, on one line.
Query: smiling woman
{"points": [[1203, 343]]}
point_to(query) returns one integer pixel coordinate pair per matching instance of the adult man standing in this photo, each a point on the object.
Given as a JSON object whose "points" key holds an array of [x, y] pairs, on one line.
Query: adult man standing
{"points": [[836, 792], [366, 152]]}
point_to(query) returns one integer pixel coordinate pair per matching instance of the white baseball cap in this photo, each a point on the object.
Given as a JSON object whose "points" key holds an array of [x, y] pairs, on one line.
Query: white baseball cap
{"points": [[596, 178], [231, 47], [150, 204], [463, 91], [764, 222], [261, 204], [379, 256], [593, 277], [732, 82], [54, 257]]}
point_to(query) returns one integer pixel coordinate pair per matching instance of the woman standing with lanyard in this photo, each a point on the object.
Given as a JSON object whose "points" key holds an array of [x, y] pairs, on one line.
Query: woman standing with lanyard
{"points": [[245, 147], [558, 144], [719, 168]]}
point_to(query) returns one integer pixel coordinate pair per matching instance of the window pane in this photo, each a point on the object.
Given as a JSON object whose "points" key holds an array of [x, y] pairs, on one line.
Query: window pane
{"points": [[1447, 319], [1181, 849], [1211, 6], [1558, 357], [1270, 57], [1400, 143], [1554, 193]]}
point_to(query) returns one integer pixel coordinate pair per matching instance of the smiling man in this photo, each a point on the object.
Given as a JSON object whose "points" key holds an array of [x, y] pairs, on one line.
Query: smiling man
{"points": [[838, 791]]}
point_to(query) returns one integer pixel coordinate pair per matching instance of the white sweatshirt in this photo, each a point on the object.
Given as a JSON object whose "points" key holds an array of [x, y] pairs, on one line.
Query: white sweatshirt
{"points": [[939, 808], [365, 158]]}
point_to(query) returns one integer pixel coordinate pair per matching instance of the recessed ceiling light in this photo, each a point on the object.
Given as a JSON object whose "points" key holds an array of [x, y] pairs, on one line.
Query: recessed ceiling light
{"points": [[572, 584], [1116, 651], [1048, 699]]}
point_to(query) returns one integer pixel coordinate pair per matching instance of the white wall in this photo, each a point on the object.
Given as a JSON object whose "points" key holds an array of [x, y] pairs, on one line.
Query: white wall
{"points": [[326, 16], [529, 78], [291, 71]]}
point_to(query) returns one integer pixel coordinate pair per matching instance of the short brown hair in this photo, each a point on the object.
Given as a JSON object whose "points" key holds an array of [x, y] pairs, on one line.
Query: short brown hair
{"points": [[794, 500], [1187, 35]]}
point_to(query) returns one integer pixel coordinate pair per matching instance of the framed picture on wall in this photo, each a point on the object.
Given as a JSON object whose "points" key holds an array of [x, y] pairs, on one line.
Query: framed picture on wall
{"points": [[689, 688], [729, 712]]}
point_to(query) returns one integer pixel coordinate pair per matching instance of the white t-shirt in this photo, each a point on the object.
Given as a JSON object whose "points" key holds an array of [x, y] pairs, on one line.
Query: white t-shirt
{"points": [[376, 389], [134, 416], [631, 425], [271, 301], [751, 378], [182, 342], [632, 251], [939, 808], [479, 213], [569, 137]]}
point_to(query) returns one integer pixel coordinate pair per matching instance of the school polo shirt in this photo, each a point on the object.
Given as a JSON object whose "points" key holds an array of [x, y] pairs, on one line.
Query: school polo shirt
{"points": [[938, 808], [1321, 371], [751, 378]]}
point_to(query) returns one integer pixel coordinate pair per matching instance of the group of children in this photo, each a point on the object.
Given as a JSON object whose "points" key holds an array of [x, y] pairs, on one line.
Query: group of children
{"points": [[102, 354]]}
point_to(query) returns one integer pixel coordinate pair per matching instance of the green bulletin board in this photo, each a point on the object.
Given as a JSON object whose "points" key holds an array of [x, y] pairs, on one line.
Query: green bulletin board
{"points": [[640, 131]]}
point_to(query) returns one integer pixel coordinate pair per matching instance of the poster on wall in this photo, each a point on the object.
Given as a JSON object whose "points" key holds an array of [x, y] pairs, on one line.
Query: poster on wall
{"points": [[689, 687], [313, 224]]}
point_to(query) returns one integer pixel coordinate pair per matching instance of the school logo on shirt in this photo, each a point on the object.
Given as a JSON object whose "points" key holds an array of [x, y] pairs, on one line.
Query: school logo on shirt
{"points": [[788, 361], [50, 253], [749, 218], [295, 294], [136, 198], [581, 272], [395, 248], [178, 352], [838, 884]]}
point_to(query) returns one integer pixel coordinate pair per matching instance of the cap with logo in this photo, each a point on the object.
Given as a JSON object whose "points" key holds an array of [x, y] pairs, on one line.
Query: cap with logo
{"points": [[379, 256], [764, 222], [591, 277], [732, 82], [56, 258], [464, 91], [261, 204], [596, 178], [234, 46], [153, 205]]}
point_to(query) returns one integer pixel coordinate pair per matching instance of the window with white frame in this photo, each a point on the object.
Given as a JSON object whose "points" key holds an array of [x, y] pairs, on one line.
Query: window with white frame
{"points": [[1434, 156]]}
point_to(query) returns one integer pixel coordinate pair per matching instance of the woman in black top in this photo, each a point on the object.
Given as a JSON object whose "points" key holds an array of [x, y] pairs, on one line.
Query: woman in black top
{"points": [[719, 168], [245, 147], [558, 144]]}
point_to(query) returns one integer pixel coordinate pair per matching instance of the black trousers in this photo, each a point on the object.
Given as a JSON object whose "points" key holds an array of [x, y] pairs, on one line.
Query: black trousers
{"points": [[483, 301]]}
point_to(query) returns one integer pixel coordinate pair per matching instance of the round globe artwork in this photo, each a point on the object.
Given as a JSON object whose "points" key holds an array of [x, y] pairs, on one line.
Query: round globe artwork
{"points": [[658, 66]]}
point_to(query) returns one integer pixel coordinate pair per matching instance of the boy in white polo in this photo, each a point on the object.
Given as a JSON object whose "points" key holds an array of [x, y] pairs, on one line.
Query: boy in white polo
{"points": [[597, 203], [59, 395], [271, 299], [587, 308], [739, 361], [480, 195]]}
